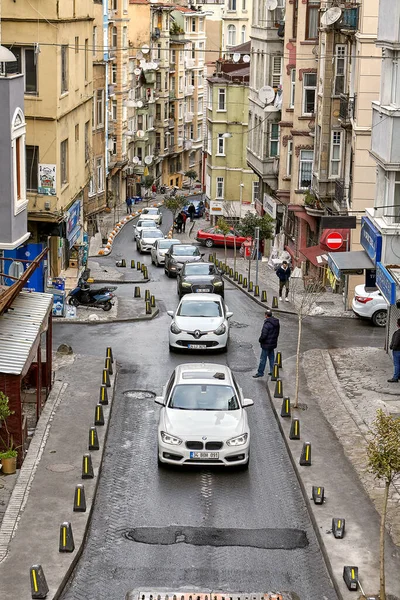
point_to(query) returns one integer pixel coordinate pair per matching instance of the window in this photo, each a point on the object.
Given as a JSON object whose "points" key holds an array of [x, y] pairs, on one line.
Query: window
{"points": [[125, 38], [113, 145], [99, 108], [27, 65], [76, 45], [292, 87], [192, 78], [294, 23], [274, 139], [276, 71], [99, 174], [173, 57], [220, 187], [77, 132], [222, 99], [396, 199], [200, 79], [64, 161], [114, 4], [86, 60], [193, 24], [232, 5], [92, 190], [114, 37], [305, 168], [340, 69], [201, 24], [309, 90], [289, 158], [395, 88], [243, 34], [193, 50], [221, 145], [114, 110], [64, 69], [231, 35], [87, 145], [336, 154], [114, 74], [209, 142], [200, 105], [209, 97], [255, 192], [312, 19], [244, 5], [32, 164]]}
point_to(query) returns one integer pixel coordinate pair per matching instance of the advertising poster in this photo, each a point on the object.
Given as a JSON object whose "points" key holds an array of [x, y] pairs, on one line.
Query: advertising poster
{"points": [[47, 180]]}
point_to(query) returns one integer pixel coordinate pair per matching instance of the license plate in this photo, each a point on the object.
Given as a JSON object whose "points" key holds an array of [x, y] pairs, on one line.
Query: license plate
{"points": [[202, 290], [205, 455], [197, 346]]}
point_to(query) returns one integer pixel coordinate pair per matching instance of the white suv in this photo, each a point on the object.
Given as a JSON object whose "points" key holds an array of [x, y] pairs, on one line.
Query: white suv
{"points": [[370, 305]]}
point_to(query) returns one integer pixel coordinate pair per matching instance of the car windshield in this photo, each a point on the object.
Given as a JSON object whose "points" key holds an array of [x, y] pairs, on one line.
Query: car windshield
{"points": [[200, 269], [197, 396], [197, 308], [153, 233], [186, 251], [166, 244]]}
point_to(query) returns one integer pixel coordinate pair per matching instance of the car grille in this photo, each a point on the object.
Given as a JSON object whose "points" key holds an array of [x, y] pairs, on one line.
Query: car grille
{"points": [[206, 343], [207, 288], [196, 445], [214, 445]]}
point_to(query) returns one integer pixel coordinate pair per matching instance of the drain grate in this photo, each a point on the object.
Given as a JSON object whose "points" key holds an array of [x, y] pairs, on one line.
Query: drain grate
{"points": [[139, 394], [194, 595]]}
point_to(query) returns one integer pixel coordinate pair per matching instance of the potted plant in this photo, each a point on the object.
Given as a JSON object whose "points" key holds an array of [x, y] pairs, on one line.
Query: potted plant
{"points": [[8, 456]]}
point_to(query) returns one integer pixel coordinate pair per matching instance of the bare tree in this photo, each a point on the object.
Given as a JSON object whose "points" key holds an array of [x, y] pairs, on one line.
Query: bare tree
{"points": [[304, 295], [225, 228]]}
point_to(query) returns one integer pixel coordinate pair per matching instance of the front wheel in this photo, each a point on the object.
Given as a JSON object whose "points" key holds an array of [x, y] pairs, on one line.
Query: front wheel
{"points": [[209, 243], [166, 271], [379, 318], [107, 306], [73, 301]]}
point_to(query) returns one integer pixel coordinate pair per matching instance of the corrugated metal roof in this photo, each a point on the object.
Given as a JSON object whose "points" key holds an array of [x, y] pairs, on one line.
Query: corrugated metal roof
{"points": [[19, 328]]}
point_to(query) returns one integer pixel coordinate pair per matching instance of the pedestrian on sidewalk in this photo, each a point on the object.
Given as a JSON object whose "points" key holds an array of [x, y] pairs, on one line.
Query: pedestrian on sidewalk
{"points": [[128, 206], [268, 341], [284, 272], [184, 217], [191, 211], [179, 222], [395, 348]]}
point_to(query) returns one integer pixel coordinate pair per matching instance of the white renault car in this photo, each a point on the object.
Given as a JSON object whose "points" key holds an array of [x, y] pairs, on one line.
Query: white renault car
{"points": [[201, 322], [370, 305], [159, 249], [203, 420], [147, 238], [143, 224]]}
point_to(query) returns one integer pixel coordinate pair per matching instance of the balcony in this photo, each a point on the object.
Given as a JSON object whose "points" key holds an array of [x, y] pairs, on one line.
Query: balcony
{"points": [[188, 117], [340, 194], [346, 110], [349, 21], [189, 89], [189, 63], [172, 95], [171, 123], [385, 134]]}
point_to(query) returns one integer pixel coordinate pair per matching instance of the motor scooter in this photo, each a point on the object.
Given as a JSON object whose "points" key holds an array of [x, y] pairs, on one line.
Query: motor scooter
{"points": [[83, 295]]}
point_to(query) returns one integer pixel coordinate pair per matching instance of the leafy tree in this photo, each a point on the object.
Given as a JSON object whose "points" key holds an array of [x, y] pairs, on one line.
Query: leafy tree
{"points": [[5, 412], [247, 226], [383, 452], [225, 228], [147, 183], [175, 204], [192, 176]]}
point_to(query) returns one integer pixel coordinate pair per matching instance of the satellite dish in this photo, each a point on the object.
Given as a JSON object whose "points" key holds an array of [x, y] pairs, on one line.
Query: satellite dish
{"points": [[137, 71], [246, 58], [136, 160], [139, 55], [139, 104], [148, 160], [331, 16], [266, 94], [140, 133], [236, 57], [272, 4], [145, 49]]}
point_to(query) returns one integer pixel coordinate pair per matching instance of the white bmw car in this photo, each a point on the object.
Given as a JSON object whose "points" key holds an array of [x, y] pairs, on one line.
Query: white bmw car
{"points": [[146, 238], [143, 224], [201, 322], [203, 420]]}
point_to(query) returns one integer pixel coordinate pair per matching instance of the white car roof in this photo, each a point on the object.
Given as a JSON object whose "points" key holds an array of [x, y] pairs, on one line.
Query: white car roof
{"points": [[213, 373], [201, 297]]}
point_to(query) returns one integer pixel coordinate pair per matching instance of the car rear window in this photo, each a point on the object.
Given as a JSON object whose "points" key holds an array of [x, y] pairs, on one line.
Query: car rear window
{"points": [[200, 269], [197, 396], [186, 251], [167, 244], [152, 233]]}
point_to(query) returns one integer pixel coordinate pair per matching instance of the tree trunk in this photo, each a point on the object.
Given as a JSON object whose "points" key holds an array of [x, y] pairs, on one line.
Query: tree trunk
{"points": [[296, 396], [226, 258], [234, 254], [382, 590]]}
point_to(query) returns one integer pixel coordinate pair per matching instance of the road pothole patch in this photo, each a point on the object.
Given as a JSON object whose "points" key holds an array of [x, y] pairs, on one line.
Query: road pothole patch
{"points": [[268, 538], [237, 325], [139, 394]]}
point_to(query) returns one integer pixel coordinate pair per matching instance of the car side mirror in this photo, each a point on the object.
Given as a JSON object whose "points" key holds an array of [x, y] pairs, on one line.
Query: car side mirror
{"points": [[170, 313], [159, 400], [202, 254], [246, 402], [229, 315]]}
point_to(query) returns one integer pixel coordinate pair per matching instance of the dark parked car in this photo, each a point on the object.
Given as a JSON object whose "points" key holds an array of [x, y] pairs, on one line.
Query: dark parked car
{"points": [[177, 255], [199, 277], [198, 205]]}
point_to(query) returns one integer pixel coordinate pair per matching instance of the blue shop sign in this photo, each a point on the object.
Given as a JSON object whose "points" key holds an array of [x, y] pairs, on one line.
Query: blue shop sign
{"points": [[371, 240], [334, 268], [73, 224], [386, 283]]}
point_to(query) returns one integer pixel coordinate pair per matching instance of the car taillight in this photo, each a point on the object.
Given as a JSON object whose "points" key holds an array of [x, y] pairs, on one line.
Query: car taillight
{"points": [[363, 299]]}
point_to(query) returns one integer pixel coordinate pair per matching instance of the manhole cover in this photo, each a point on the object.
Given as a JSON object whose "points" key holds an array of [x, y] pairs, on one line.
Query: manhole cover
{"points": [[139, 394], [60, 468], [237, 325]]}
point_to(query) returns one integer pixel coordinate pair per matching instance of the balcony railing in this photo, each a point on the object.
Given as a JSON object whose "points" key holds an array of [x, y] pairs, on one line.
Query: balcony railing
{"points": [[188, 117], [189, 63], [346, 109], [189, 89], [349, 20], [340, 193]]}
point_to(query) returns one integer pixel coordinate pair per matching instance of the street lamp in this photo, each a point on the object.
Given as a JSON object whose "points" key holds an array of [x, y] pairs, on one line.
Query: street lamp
{"points": [[241, 186]]}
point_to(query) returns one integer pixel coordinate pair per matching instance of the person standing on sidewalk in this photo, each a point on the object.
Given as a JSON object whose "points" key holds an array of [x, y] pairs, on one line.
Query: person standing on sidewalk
{"points": [[191, 212], [268, 341], [128, 206], [184, 217], [284, 272], [395, 348], [179, 222]]}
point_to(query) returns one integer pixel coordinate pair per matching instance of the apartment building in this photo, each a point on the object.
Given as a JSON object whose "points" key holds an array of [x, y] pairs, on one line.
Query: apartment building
{"points": [[229, 180], [263, 145], [236, 23]]}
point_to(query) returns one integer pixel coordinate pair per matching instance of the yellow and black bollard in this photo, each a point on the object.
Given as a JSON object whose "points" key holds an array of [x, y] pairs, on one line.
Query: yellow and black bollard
{"points": [[133, 264], [103, 395], [136, 292], [39, 587], [245, 282], [138, 266], [318, 494], [338, 526], [350, 576], [305, 457], [294, 433], [99, 415], [79, 498], [143, 267], [285, 409], [93, 439], [152, 301], [235, 276], [278, 389], [148, 308], [106, 378], [145, 273], [210, 258], [264, 296], [231, 272], [278, 359], [257, 290], [87, 466], [275, 302], [147, 295], [109, 353], [250, 286], [275, 373], [108, 366], [66, 538]]}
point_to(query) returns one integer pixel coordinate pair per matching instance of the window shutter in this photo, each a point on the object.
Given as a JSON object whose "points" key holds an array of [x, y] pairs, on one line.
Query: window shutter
{"points": [[276, 71]]}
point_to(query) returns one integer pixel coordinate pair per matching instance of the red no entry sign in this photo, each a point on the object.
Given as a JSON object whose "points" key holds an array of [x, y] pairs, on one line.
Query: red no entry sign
{"points": [[334, 240]]}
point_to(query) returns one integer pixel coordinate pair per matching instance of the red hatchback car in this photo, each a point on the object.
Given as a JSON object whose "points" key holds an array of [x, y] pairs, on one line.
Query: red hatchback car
{"points": [[214, 237]]}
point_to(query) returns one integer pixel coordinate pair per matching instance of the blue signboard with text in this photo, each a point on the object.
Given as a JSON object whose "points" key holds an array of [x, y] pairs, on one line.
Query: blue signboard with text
{"points": [[371, 240], [73, 224], [386, 283]]}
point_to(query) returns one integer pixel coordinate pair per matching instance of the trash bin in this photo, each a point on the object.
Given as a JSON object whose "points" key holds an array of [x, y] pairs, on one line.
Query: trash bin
{"points": [[136, 199], [247, 249]]}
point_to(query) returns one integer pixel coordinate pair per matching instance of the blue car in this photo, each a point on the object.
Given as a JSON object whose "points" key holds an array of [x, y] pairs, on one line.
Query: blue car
{"points": [[199, 206]]}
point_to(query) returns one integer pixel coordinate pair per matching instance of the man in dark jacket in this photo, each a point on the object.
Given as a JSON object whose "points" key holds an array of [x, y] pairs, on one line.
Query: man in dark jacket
{"points": [[284, 272], [191, 211], [268, 342], [395, 348]]}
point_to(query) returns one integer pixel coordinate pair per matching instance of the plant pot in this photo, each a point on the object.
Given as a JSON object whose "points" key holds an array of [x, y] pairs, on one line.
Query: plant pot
{"points": [[9, 465]]}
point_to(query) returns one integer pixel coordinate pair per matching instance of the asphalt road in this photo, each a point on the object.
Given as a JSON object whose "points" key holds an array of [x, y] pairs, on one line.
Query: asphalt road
{"points": [[209, 529]]}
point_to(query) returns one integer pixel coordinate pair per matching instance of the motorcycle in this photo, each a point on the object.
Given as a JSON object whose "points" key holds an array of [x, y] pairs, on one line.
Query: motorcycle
{"points": [[84, 295]]}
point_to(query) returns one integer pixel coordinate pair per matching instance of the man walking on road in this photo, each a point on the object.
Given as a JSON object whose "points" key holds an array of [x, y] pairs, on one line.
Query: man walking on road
{"points": [[395, 348], [128, 206], [284, 272], [268, 341]]}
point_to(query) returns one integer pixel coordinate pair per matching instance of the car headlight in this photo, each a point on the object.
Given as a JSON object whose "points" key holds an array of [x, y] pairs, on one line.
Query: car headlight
{"points": [[175, 328], [220, 330], [240, 440], [186, 284], [218, 283], [170, 439]]}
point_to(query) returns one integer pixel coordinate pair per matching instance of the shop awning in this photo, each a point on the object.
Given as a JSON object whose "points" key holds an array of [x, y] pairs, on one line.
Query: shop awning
{"points": [[315, 254], [342, 263]]}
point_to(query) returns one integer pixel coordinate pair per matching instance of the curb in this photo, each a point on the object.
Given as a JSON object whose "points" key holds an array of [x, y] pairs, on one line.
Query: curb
{"points": [[119, 282], [144, 317]]}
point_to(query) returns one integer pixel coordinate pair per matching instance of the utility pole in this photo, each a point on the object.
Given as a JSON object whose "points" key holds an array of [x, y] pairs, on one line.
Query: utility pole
{"points": [[257, 243]]}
